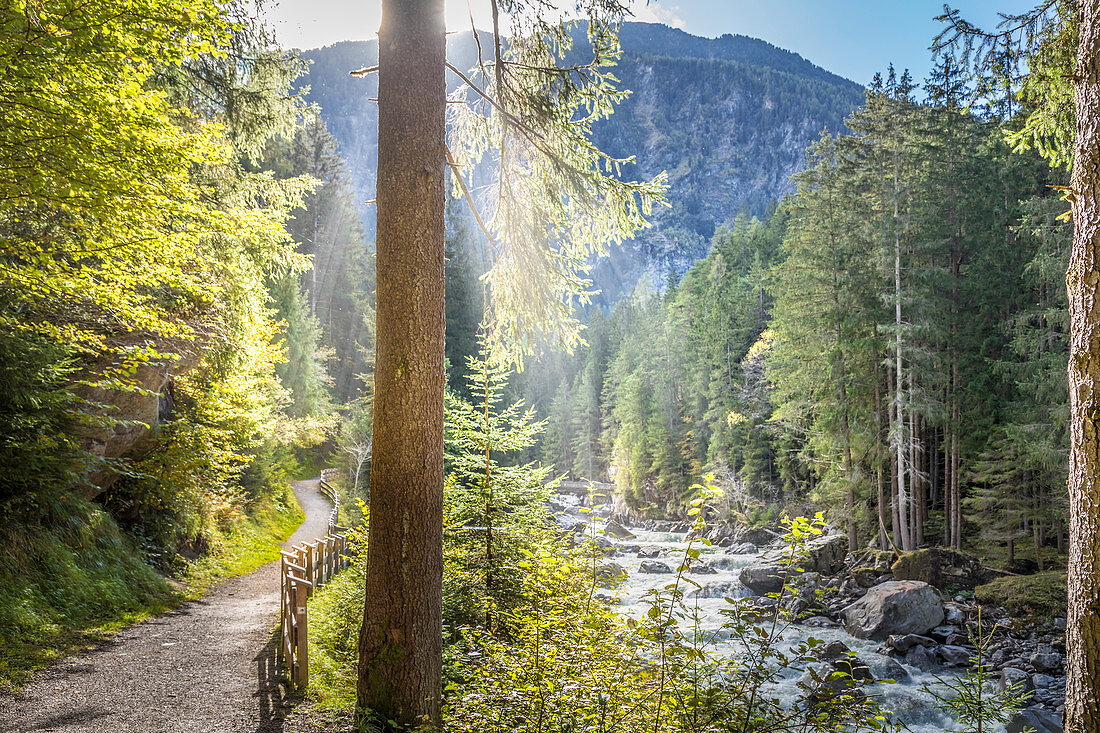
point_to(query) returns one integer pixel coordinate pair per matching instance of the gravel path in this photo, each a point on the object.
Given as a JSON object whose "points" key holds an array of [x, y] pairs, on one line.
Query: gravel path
{"points": [[208, 666]]}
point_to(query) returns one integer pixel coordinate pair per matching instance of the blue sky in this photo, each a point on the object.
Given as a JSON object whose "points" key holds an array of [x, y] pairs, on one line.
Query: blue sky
{"points": [[853, 38]]}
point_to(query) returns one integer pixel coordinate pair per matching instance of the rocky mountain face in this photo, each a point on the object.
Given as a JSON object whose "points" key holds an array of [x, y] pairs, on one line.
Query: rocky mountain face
{"points": [[728, 118]]}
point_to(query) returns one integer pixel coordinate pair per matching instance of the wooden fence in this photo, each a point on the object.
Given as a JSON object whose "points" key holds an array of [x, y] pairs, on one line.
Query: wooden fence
{"points": [[305, 567]]}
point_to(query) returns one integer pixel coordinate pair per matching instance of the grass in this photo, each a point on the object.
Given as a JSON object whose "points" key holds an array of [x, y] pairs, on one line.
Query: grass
{"points": [[247, 546], [79, 579], [335, 615]]}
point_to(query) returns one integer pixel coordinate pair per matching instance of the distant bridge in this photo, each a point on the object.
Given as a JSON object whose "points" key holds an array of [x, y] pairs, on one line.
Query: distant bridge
{"points": [[583, 488]]}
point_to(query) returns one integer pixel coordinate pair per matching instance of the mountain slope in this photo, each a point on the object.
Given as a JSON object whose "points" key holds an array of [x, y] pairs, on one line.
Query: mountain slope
{"points": [[729, 118]]}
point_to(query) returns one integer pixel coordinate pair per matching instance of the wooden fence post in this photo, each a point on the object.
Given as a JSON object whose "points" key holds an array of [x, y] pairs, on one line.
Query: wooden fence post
{"points": [[301, 596], [309, 563]]}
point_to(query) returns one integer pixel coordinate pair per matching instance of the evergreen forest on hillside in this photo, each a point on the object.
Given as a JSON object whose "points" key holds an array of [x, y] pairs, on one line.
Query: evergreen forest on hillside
{"points": [[919, 239], [668, 384]]}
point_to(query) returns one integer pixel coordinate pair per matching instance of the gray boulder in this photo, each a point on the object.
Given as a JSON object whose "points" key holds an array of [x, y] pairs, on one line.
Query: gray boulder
{"points": [[767, 574], [654, 567], [1036, 718], [603, 544], [941, 568], [755, 535], [1045, 661], [922, 658], [954, 656], [618, 531], [894, 607], [1012, 676], [1042, 681], [905, 642], [885, 668], [609, 574], [826, 554], [771, 570], [821, 622]]}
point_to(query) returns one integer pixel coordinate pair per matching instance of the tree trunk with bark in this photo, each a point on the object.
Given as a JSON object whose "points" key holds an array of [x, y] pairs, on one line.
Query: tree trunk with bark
{"points": [[400, 645], [1083, 284]]}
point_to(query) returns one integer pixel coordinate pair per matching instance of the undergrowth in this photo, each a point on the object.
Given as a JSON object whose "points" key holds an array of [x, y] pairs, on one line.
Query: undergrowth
{"points": [[245, 546], [562, 660]]}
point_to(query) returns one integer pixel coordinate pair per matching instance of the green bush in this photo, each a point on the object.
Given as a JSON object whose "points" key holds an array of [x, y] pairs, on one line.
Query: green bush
{"points": [[1042, 594]]}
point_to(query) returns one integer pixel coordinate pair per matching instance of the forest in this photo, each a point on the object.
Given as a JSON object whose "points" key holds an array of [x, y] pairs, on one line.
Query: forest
{"points": [[888, 344], [828, 477]]}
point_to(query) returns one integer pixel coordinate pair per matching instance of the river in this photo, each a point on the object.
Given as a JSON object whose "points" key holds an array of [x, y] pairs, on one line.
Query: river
{"points": [[907, 699]]}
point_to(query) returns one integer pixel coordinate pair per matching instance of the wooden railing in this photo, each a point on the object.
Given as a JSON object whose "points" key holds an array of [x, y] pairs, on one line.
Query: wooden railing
{"points": [[332, 495], [305, 567]]}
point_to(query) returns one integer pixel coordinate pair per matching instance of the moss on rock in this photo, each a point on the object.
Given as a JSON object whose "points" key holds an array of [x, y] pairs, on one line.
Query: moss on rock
{"points": [[943, 569], [1040, 594]]}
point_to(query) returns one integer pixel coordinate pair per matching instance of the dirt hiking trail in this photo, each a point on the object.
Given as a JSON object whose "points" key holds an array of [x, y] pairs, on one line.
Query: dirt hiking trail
{"points": [[208, 666]]}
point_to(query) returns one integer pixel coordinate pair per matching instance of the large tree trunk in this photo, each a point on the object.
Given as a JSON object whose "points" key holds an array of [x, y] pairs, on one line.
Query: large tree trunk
{"points": [[400, 646], [1083, 283]]}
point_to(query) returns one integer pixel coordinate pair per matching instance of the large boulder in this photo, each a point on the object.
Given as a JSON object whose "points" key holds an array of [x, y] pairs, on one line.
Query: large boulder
{"points": [[941, 568], [894, 607], [770, 571], [755, 535], [826, 554], [766, 574], [655, 567]]}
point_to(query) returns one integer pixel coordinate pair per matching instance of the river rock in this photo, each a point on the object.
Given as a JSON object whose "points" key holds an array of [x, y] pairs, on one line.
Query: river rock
{"points": [[769, 572], [1045, 661], [804, 586], [766, 574], [954, 656], [904, 642], [825, 684], [1036, 718], [654, 567], [826, 554], [609, 574], [921, 658], [618, 531], [721, 534], [649, 551], [603, 544], [885, 668], [941, 568], [944, 633], [1041, 681], [820, 622], [745, 548], [758, 536], [894, 607], [831, 652], [954, 613], [1011, 676]]}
